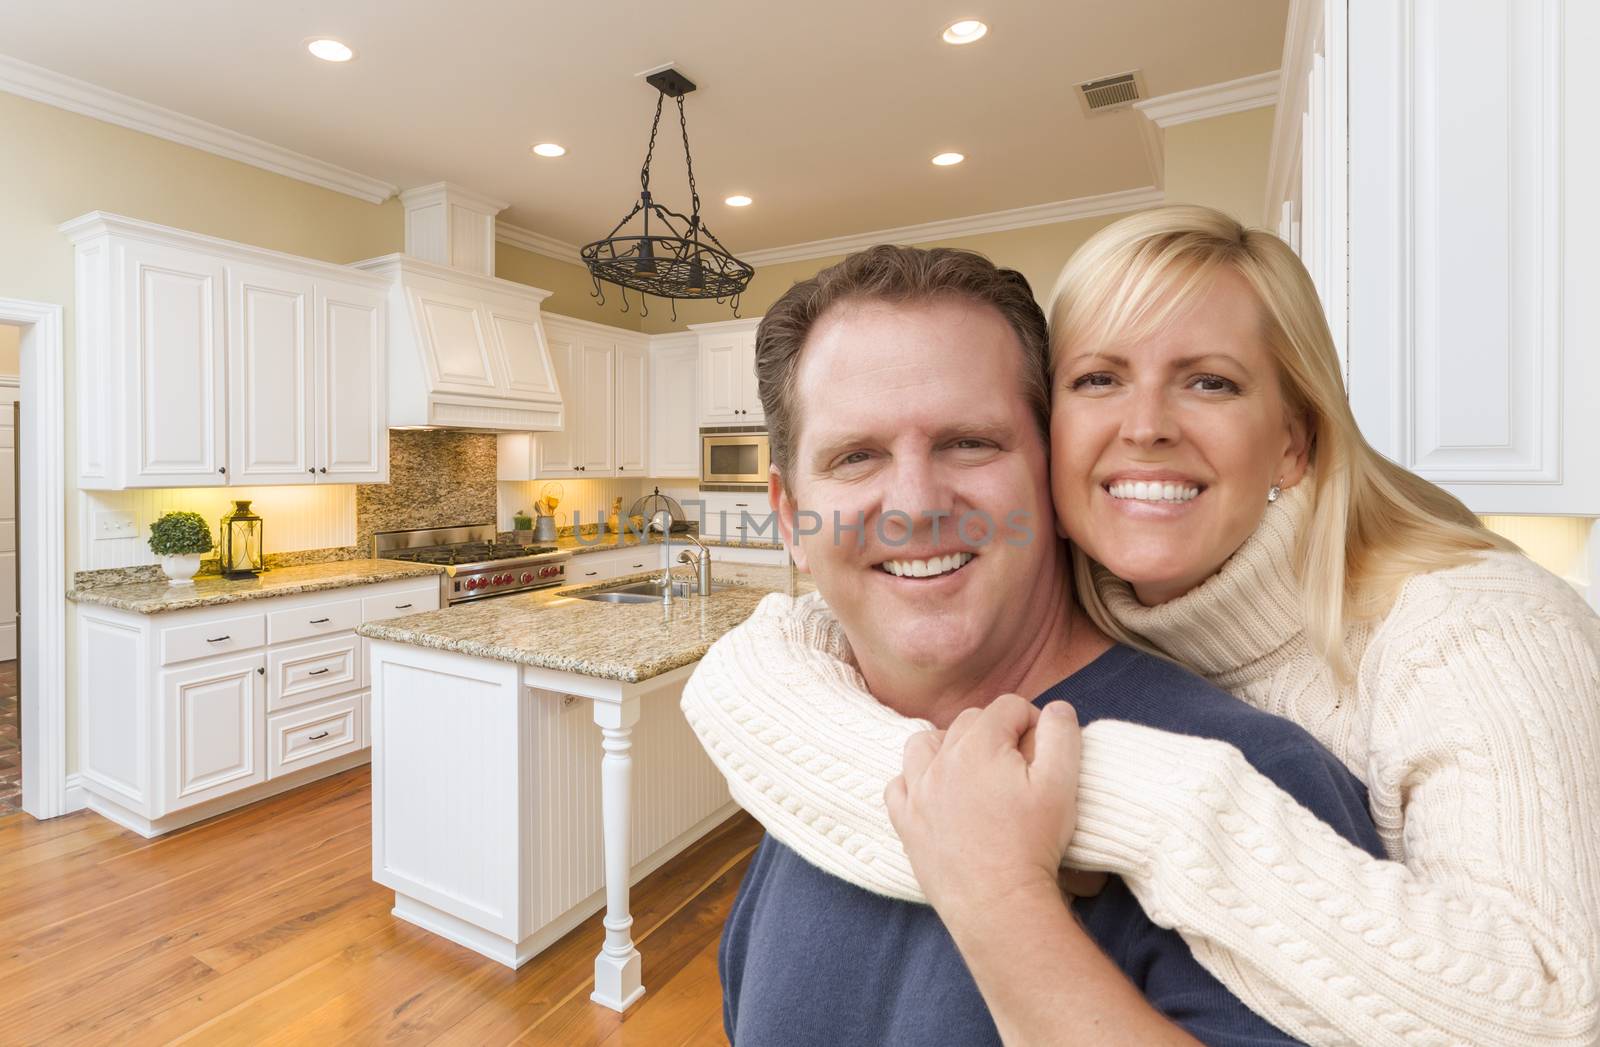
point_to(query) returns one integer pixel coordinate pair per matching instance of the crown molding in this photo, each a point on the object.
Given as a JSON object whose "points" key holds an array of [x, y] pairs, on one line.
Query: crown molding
{"points": [[972, 225], [79, 96], [538, 243], [1202, 103]]}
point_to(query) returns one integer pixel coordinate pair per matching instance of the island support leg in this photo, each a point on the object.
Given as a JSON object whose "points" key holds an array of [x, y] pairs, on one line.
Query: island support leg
{"points": [[617, 981]]}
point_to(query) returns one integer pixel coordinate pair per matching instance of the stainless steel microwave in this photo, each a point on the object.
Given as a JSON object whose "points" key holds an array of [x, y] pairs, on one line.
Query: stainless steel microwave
{"points": [[734, 458]]}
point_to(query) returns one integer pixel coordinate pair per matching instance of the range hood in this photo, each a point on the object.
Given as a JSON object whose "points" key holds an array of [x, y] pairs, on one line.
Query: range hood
{"points": [[466, 350]]}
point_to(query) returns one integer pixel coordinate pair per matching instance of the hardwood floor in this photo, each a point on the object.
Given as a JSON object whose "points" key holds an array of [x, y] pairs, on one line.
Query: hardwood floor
{"points": [[263, 926]]}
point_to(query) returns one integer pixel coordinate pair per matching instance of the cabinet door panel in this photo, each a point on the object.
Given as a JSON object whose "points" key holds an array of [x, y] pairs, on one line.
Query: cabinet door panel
{"points": [[719, 378], [270, 373], [556, 451], [674, 413], [214, 730], [596, 411], [353, 436], [633, 408], [178, 392], [749, 391]]}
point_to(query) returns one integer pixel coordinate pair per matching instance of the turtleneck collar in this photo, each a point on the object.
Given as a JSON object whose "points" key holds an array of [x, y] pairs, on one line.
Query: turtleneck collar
{"points": [[1248, 609]]}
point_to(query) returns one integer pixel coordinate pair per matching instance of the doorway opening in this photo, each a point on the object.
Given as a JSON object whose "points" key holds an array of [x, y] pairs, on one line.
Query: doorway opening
{"points": [[10, 585]]}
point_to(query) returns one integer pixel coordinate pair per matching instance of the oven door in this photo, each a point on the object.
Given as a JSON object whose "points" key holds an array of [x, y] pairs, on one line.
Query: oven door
{"points": [[734, 458]]}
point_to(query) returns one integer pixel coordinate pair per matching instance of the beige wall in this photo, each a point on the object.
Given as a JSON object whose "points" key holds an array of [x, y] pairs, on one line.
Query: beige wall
{"points": [[10, 349], [1221, 162], [571, 290]]}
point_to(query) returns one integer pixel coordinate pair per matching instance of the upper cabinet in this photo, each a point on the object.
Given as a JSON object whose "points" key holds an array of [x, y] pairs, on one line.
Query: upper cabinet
{"points": [[203, 362], [675, 405], [466, 351], [728, 392], [604, 375], [1425, 166]]}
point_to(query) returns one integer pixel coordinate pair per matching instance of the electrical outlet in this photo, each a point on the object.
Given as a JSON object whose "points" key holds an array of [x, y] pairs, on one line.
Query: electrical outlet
{"points": [[108, 525]]}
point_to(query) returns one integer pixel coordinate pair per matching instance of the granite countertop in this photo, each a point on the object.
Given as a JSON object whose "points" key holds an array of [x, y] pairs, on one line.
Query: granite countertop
{"points": [[214, 590], [628, 540], [627, 642]]}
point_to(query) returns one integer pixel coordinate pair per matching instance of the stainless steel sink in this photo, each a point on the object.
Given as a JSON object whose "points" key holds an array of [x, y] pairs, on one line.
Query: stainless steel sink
{"points": [[648, 591]]}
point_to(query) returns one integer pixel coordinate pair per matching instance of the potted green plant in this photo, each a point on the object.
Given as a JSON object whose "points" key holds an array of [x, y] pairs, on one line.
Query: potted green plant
{"points": [[522, 521], [179, 538]]}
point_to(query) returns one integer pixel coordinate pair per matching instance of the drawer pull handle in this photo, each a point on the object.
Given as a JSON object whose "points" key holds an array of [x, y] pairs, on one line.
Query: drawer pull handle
{"points": [[590, 574], [317, 672], [314, 737], [319, 621], [401, 606], [219, 639]]}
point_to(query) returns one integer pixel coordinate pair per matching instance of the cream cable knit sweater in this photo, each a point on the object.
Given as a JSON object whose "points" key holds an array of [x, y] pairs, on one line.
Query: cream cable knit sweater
{"points": [[1474, 721]]}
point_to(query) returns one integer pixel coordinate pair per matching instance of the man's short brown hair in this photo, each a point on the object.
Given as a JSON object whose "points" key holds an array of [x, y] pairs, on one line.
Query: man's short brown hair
{"points": [[899, 275]]}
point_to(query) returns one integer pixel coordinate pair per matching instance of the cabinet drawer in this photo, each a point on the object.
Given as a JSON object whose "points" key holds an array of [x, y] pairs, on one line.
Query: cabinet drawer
{"points": [[596, 567], [321, 619], [316, 669], [180, 643], [393, 605], [304, 736]]}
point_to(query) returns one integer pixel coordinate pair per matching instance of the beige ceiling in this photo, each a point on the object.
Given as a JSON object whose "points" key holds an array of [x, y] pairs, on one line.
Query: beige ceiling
{"points": [[825, 112]]}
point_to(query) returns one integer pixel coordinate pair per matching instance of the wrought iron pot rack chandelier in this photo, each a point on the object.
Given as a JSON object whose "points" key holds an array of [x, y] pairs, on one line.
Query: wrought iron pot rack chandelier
{"points": [[681, 257]]}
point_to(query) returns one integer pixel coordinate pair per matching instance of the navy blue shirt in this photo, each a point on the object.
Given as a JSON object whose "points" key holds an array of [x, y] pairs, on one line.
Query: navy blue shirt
{"points": [[808, 959]]}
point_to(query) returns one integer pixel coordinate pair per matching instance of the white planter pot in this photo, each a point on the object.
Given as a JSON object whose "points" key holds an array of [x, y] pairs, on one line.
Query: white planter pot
{"points": [[180, 570]]}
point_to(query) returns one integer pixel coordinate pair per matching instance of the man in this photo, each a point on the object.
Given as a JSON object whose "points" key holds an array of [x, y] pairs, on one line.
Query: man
{"points": [[907, 405]]}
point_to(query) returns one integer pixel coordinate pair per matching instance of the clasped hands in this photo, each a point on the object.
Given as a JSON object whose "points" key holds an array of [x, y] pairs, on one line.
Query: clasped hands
{"points": [[987, 806]]}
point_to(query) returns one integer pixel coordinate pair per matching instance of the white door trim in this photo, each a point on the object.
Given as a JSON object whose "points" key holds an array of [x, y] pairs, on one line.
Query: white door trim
{"points": [[41, 556]]}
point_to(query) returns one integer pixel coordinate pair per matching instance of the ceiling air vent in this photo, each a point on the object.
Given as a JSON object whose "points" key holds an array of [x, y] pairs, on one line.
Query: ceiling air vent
{"points": [[1110, 92]]}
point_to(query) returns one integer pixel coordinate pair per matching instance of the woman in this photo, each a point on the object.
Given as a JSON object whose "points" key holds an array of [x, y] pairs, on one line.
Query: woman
{"points": [[1225, 511]]}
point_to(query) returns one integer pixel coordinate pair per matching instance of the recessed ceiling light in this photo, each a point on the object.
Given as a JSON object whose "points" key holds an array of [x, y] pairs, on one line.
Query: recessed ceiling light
{"points": [[965, 31], [330, 50], [946, 159], [737, 201], [550, 149]]}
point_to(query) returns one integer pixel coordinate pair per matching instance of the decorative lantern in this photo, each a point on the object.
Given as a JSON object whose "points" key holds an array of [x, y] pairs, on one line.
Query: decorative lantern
{"points": [[240, 552]]}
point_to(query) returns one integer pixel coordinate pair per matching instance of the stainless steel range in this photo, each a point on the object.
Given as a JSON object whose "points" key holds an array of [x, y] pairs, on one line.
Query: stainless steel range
{"points": [[475, 564]]}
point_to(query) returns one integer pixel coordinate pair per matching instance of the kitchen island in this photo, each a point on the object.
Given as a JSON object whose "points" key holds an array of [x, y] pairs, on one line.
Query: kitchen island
{"points": [[530, 762]]}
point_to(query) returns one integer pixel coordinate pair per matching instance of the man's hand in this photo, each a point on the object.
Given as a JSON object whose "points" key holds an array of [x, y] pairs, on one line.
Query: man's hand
{"points": [[988, 808]]}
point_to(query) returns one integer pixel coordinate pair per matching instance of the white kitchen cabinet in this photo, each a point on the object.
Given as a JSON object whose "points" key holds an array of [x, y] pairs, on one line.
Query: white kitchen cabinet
{"points": [[632, 407], [352, 389], [215, 726], [1444, 141], [595, 407], [202, 362], [614, 563], [728, 390], [188, 713], [170, 325], [271, 376], [604, 374], [674, 406]]}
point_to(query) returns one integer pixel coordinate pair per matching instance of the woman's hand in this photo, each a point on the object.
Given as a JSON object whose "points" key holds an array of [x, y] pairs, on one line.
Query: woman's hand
{"points": [[987, 808]]}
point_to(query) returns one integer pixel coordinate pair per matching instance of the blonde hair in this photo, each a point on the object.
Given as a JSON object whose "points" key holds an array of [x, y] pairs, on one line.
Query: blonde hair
{"points": [[1373, 525]]}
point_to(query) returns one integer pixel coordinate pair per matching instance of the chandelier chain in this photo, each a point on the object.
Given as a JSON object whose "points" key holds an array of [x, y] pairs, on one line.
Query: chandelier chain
{"points": [[688, 162], [644, 172]]}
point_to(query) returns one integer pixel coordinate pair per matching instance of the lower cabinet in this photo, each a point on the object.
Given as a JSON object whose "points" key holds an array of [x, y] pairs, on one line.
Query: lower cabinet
{"points": [[189, 713], [214, 712]]}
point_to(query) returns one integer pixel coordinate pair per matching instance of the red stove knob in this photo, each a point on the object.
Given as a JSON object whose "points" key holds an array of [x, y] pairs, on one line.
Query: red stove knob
{"points": [[472, 583], [527, 576], [501, 579]]}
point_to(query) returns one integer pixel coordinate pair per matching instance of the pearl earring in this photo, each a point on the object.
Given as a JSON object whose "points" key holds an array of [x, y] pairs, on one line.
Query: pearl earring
{"points": [[1273, 492]]}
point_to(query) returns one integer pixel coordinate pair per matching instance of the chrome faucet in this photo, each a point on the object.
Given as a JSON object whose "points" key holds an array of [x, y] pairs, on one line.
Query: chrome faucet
{"points": [[701, 561]]}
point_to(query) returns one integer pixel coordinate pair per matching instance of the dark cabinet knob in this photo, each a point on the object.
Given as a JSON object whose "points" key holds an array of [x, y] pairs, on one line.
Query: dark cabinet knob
{"points": [[323, 469], [222, 469]]}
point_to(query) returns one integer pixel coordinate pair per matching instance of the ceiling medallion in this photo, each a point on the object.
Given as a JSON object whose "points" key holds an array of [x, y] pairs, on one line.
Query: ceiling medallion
{"points": [[679, 257]]}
